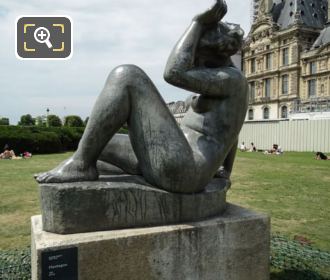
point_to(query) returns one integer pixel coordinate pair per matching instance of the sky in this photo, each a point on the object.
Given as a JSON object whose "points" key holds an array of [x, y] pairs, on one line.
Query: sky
{"points": [[106, 33]]}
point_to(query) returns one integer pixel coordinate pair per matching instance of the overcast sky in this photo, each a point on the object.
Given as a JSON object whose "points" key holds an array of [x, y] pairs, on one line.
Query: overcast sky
{"points": [[106, 33]]}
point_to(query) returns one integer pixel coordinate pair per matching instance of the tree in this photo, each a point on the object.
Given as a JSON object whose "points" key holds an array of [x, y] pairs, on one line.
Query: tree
{"points": [[4, 121], [73, 121], [26, 120], [53, 120]]}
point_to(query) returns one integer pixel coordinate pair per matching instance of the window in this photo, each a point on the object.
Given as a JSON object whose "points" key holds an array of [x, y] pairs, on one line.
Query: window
{"points": [[250, 115], [322, 88], [252, 91], [284, 112], [266, 113], [267, 87], [285, 83], [312, 67], [253, 65], [285, 56], [268, 61], [311, 88]]}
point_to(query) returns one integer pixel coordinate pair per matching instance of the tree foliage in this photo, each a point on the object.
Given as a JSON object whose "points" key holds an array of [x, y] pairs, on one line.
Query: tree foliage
{"points": [[4, 121], [26, 120], [73, 121], [54, 121], [40, 140]]}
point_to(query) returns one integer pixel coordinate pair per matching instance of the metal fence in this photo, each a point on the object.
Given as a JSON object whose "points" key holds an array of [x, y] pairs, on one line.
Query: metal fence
{"points": [[297, 135]]}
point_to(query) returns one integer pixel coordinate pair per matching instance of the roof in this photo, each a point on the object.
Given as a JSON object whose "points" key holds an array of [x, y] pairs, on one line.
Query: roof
{"points": [[310, 13], [324, 37]]}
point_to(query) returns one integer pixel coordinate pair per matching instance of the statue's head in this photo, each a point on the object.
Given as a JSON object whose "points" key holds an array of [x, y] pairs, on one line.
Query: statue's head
{"points": [[220, 42]]}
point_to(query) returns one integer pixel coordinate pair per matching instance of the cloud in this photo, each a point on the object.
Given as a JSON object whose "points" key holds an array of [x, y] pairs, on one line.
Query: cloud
{"points": [[107, 33]]}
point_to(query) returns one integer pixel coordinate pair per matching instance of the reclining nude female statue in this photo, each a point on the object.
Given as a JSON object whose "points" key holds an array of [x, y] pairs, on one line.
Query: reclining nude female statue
{"points": [[173, 158]]}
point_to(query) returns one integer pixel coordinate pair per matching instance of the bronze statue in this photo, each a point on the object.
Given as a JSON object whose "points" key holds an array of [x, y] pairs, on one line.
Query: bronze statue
{"points": [[177, 159]]}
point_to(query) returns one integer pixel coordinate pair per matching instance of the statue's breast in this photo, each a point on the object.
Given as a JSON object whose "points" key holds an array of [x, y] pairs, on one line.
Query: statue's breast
{"points": [[202, 104]]}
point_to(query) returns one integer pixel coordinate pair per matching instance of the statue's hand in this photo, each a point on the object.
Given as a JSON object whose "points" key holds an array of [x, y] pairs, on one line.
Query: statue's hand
{"points": [[214, 14]]}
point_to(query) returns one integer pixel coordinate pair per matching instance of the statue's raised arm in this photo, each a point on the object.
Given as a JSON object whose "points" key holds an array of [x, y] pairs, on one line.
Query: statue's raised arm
{"points": [[182, 58], [177, 159], [207, 43]]}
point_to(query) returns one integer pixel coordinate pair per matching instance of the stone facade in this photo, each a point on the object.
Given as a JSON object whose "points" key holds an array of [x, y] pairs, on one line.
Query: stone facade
{"points": [[279, 55], [315, 79], [178, 109]]}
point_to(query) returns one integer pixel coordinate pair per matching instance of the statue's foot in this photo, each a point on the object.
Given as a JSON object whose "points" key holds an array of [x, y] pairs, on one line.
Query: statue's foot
{"points": [[70, 170]]}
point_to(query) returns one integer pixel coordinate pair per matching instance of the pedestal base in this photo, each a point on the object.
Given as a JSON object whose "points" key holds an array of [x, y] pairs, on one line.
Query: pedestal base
{"points": [[234, 246], [124, 201]]}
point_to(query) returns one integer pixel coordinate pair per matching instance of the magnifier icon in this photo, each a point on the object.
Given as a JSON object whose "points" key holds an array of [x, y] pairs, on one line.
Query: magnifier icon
{"points": [[41, 35]]}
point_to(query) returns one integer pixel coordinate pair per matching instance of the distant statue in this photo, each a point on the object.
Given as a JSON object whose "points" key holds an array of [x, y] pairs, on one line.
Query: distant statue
{"points": [[177, 159]]}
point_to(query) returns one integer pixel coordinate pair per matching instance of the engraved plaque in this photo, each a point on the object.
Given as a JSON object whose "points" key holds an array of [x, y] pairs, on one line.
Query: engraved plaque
{"points": [[60, 264]]}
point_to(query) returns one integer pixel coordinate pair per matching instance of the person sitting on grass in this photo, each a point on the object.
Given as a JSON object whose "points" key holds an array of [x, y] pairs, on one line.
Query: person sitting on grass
{"points": [[242, 147], [7, 153], [279, 150], [321, 156], [253, 148], [275, 150], [27, 155]]}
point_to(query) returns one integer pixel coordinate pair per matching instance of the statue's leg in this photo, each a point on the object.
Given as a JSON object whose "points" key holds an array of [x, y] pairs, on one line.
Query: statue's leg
{"points": [[230, 158], [225, 170], [119, 152], [164, 155]]}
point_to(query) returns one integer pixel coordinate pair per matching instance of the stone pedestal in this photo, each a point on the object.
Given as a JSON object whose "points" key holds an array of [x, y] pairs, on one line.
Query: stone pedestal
{"points": [[124, 201], [233, 246]]}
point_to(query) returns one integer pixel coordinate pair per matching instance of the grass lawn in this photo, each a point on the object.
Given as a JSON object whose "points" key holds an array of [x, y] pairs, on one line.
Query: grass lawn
{"points": [[19, 198], [293, 189]]}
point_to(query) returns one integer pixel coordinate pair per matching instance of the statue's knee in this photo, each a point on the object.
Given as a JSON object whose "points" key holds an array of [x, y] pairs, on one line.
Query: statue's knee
{"points": [[129, 75], [128, 72]]}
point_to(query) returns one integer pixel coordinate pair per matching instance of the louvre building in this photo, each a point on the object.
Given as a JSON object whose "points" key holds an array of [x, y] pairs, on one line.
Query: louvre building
{"points": [[286, 59]]}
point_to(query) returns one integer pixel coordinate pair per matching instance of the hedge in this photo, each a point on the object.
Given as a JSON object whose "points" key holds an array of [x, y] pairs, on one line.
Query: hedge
{"points": [[41, 140]]}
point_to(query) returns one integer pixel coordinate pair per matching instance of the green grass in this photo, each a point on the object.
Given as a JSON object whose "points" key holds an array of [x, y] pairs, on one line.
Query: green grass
{"points": [[19, 198], [293, 189]]}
